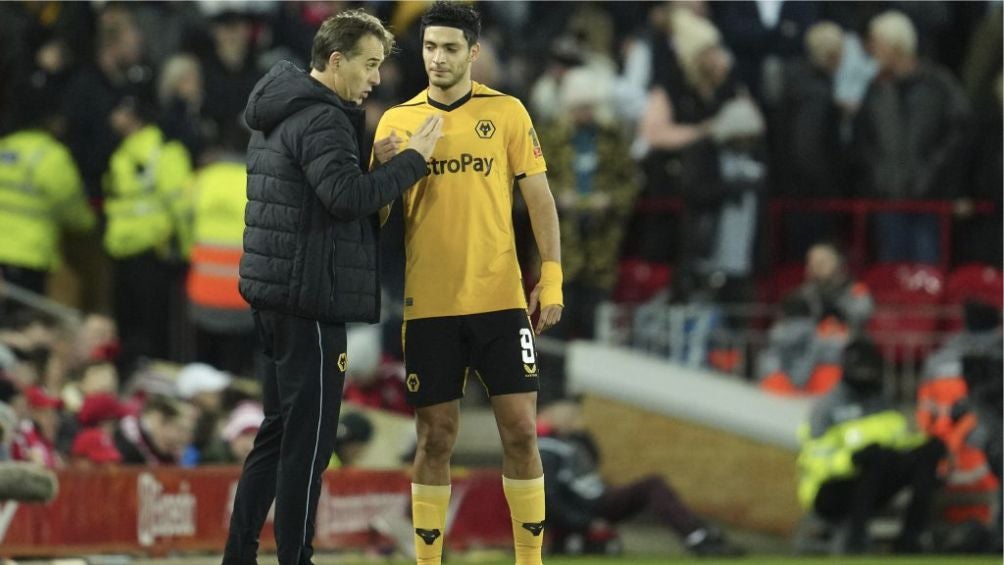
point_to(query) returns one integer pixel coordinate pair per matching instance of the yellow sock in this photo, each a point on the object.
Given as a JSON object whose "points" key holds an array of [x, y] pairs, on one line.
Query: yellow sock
{"points": [[428, 513], [526, 505]]}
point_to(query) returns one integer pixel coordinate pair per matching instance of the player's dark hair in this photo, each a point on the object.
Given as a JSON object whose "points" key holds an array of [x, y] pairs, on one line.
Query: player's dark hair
{"points": [[342, 33], [454, 14]]}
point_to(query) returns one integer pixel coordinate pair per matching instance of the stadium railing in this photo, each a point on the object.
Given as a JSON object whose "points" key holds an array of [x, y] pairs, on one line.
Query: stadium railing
{"points": [[859, 209], [38, 302]]}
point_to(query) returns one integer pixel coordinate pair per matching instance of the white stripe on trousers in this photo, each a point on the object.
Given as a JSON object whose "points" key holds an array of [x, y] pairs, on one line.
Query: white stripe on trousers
{"points": [[317, 437]]}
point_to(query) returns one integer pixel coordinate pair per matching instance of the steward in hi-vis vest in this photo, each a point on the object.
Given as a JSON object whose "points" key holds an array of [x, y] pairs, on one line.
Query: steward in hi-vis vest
{"points": [[147, 233], [218, 197], [858, 452], [145, 195], [40, 193], [225, 327]]}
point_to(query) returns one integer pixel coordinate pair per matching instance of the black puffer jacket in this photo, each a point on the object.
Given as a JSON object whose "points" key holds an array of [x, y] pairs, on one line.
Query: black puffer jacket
{"points": [[310, 245]]}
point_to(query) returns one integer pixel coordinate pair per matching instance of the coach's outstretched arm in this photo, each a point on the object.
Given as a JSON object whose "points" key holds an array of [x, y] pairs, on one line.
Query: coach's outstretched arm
{"points": [[345, 190], [544, 219]]}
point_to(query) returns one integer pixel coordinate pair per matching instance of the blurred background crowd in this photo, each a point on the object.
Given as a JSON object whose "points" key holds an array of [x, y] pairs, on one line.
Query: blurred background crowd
{"points": [[743, 187]]}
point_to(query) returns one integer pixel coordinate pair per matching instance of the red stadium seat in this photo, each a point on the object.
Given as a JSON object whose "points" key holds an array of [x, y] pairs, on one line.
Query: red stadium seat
{"points": [[906, 318], [972, 281], [638, 280], [786, 278], [914, 283], [978, 281]]}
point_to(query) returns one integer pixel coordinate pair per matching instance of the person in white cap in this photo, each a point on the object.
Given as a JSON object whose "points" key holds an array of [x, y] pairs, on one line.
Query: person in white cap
{"points": [[202, 386]]}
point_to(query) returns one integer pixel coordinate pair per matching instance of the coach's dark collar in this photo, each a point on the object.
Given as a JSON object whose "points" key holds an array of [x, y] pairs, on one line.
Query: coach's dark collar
{"points": [[447, 108]]}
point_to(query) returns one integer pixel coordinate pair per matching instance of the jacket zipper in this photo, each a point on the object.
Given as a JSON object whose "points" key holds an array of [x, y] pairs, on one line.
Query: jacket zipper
{"points": [[331, 271]]}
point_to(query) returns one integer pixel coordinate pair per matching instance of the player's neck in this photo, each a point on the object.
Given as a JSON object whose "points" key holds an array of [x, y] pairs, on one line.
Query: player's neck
{"points": [[448, 96]]}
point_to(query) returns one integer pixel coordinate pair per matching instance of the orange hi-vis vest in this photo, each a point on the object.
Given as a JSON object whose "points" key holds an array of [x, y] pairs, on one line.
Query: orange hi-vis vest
{"points": [[965, 468], [212, 278], [218, 233]]}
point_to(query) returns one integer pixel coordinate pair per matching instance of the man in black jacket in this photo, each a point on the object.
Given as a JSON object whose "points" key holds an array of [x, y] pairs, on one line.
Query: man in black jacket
{"points": [[909, 141], [310, 265]]}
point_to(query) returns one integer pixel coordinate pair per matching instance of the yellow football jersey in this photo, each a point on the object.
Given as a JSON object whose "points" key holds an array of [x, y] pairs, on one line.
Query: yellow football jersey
{"points": [[459, 241]]}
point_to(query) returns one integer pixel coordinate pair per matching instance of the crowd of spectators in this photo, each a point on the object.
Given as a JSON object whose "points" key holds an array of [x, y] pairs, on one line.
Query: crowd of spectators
{"points": [[712, 110], [63, 405], [669, 128]]}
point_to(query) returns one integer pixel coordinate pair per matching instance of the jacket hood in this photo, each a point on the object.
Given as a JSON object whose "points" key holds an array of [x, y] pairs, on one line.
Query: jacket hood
{"points": [[284, 91]]}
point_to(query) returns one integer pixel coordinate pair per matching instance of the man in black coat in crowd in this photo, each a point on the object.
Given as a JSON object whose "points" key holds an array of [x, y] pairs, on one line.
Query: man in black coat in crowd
{"points": [[310, 265], [909, 140]]}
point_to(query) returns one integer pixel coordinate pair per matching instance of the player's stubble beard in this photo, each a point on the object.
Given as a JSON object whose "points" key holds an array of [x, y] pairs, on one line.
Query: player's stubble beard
{"points": [[453, 76]]}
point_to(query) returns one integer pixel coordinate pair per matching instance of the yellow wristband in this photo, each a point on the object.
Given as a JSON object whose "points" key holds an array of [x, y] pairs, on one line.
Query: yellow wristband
{"points": [[550, 284]]}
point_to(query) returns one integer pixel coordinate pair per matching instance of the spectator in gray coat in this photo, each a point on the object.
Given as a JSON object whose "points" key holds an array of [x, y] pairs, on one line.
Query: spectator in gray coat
{"points": [[908, 135]]}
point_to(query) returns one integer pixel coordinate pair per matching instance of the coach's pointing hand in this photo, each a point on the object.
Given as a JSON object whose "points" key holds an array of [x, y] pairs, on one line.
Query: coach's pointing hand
{"points": [[425, 138]]}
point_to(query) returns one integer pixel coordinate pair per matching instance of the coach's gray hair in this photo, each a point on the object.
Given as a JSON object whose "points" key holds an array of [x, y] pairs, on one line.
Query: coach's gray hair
{"points": [[342, 32]]}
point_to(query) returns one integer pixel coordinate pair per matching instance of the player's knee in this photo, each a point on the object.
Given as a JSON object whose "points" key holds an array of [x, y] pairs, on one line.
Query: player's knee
{"points": [[436, 438], [520, 438], [436, 448]]}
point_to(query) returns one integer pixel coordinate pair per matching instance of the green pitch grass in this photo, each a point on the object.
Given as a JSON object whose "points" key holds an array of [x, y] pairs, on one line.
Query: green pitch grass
{"points": [[496, 559], [754, 560], [777, 560]]}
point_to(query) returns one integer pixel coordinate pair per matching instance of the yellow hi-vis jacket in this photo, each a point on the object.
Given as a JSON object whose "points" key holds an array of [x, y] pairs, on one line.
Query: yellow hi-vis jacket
{"points": [[220, 195], [40, 192], [830, 455], [146, 198]]}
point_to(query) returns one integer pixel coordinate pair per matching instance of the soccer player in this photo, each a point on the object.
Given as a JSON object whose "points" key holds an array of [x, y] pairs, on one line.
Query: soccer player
{"points": [[464, 308]]}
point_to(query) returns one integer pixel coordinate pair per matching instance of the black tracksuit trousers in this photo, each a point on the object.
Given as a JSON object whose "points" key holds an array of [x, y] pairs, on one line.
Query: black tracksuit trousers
{"points": [[302, 389]]}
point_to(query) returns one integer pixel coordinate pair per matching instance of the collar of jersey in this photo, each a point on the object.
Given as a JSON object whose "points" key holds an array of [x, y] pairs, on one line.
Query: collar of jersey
{"points": [[447, 108]]}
